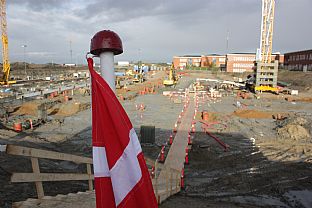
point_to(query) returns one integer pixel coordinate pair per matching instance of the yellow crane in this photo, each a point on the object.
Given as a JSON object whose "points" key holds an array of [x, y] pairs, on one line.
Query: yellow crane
{"points": [[266, 74], [5, 46]]}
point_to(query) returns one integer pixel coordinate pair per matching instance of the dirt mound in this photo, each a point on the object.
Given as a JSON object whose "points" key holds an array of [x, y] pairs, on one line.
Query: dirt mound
{"points": [[68, 109], [305, 99], [295, 129], [302, 99], [252, 114], [28, 108]]}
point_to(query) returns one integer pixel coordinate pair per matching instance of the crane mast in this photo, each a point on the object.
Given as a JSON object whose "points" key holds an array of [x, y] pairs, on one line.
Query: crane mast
{"points": [[267, 23], [5, 46], [266, 73]]}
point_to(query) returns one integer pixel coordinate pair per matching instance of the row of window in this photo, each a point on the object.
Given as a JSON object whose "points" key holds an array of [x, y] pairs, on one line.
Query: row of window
{"points": [[242, 58], [237, 65], [301, 57], [238, 70], [307, 67]]}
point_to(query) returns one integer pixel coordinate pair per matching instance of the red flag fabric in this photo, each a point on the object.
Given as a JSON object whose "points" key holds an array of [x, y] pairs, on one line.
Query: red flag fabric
{"points": [[120, 173]]}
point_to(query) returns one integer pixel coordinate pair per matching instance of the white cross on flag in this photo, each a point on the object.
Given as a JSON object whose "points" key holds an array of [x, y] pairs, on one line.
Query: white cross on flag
{"points": [[120, 173]]}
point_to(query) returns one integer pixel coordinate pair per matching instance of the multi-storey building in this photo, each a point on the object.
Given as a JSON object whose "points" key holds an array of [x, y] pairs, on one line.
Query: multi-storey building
{"points": [[245, 62], [213, 60], [181, 62], [299, 61]]}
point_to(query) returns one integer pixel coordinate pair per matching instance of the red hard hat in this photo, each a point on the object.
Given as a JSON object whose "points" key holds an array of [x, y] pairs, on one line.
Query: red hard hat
{"points": [[106, 40]]}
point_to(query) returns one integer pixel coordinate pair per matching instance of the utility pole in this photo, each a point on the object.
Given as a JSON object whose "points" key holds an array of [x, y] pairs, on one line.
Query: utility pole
{"points": [[24, 47], [227, 40], [71, 54]]}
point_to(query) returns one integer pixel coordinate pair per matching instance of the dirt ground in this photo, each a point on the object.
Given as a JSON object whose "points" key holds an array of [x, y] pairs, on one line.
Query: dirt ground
{"points": [[268, 163]]}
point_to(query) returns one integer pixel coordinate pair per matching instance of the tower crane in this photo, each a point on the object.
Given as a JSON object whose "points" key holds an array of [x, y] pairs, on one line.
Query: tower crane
{"points": [[266, 74], [267, 23], [5, 79]]}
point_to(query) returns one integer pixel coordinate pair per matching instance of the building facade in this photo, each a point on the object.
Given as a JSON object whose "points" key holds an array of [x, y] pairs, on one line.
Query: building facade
{"points": [[240, 62], [213, 60], [181, 62], [232, 62], [299, 61], [245, 62]]}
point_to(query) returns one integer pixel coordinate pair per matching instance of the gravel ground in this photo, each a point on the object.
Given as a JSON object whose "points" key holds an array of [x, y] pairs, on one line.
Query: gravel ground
{"points": [[243, 176]]}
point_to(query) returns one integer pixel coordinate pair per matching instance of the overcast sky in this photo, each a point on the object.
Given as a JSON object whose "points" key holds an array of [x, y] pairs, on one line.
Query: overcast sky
{"points": [[151, 30]]}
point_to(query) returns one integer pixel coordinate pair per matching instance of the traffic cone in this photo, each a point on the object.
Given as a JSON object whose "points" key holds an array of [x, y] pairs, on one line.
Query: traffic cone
{"points": [[175, 128], [182, 179], [179, 119], [31, 123], [162, 155], [153, 172], [171, 139], [189, 142], [186, 158]]}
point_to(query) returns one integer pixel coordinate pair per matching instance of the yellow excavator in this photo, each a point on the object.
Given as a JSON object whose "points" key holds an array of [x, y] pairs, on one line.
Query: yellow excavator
{"points": [[171, 80], [5, 79]]}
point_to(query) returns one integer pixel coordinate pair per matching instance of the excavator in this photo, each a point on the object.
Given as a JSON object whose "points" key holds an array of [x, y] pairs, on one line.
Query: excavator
{"points": [[5, 79], [171, 80]]}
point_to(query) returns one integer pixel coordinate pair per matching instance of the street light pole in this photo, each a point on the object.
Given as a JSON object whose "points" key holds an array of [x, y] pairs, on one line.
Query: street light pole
{"points": [[24, 46]]}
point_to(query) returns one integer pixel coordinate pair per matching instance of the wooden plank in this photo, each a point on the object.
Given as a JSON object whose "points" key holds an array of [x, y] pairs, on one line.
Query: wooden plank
{"points": [[31, 152], [34, 177], [170, 180], [36, 169], [156, 180], [90, 174], [167, 182], [177, 182]]}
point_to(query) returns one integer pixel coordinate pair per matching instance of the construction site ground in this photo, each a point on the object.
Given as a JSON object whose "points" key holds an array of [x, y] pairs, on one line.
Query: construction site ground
{"points": [[267, 164]]}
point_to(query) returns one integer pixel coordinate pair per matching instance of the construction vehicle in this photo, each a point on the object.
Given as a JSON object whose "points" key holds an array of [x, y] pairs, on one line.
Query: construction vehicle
{"points": [[171, 80], [5, 79], [138, 78], [138, 74], [129, 72], [265, 78]]}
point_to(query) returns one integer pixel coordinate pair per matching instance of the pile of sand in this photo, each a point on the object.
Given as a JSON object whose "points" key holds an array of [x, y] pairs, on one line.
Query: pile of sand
{"points": [[295, 129], [71, 108], [28, 108], [253, 114]]}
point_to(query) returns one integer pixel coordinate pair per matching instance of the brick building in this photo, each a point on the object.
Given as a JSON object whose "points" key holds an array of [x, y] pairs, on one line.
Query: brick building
{"points": [[180, 62], [299, 61], [245, 62], [213, 60], [232, 62]]}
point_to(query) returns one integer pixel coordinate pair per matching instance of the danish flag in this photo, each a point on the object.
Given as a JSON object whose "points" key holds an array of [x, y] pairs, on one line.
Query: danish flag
{"points": [[120, 173]]}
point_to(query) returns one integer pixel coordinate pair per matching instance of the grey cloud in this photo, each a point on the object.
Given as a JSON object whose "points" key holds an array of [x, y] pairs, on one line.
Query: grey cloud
{"points": [[40, 5], [160, 28], [120, 10]]}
